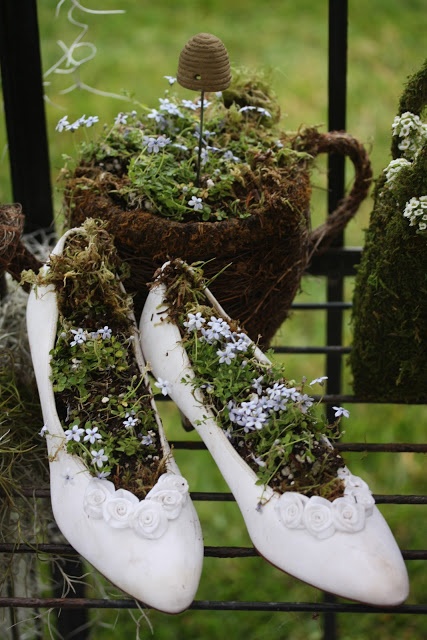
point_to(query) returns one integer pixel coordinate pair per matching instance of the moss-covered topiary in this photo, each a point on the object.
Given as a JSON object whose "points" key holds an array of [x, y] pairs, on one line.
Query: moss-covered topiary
{"points": [[389, 355]]}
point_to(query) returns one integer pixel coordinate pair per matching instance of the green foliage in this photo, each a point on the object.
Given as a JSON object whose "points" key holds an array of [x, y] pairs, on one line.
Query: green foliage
{"points": [[389, 355], [268, 419], [156, 160], [290, 38], [100, 391]]}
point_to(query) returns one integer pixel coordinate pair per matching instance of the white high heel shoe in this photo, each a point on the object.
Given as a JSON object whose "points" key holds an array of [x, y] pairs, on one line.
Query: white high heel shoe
{"points": [[152, 548], [344, 547]]}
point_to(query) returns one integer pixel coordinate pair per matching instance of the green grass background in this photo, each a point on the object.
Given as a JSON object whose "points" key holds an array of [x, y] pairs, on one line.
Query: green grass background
{"points": [[289, 39]]}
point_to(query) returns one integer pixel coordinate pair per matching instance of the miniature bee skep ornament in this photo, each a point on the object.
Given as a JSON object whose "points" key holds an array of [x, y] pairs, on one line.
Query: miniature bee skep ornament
{"points": [[216, 180], [389, 354]]}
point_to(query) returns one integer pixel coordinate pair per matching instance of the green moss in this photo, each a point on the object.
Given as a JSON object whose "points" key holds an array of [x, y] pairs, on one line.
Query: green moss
{"points": [[389, 355]]}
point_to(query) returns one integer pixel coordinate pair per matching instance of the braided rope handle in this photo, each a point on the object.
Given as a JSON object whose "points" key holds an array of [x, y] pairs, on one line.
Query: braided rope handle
{"points": [[14, 256], [339, 142]]}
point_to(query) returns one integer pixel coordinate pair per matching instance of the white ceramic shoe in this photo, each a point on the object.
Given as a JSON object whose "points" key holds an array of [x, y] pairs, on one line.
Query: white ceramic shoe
{"points": [[152, 549], [344, 547]]}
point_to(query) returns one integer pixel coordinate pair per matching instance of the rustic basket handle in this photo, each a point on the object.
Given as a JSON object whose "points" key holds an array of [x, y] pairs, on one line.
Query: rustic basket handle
{"points": [[314, 143], [14, 256]]}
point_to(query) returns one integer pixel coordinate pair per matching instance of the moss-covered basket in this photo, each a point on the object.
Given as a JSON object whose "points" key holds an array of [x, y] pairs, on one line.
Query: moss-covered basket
{"points": [[389, 354], [261, 254]]}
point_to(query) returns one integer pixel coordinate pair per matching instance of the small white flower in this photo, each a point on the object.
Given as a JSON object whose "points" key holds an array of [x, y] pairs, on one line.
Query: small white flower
{"points": [[157, 116], [62, 124], [105, 399], [164, 386], [242, 343], [340, 411], [256, 384], [105, 333], [170, 79], [103, 474], [43, 431], [79, 337], [412, 132], [416, 212], [99, 457], [130, 421], [258, 460], [121, 118], [218, 329], [189, 104], [394, 167], [91, 120], [256, 419], [74, 433], [195, 203], [228, 433], [292, 393], [92, 435], [306, 402], [74, 125], [195, 321], [320, 381], [170, 107], [230, 157], [155, 144], [226, 355]]}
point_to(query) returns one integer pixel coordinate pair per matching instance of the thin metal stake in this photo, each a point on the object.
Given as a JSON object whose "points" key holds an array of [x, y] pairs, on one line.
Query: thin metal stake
{"points": [[199, 157]]}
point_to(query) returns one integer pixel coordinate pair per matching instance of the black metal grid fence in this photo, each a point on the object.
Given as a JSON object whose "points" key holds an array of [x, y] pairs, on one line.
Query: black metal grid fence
{"points": [[22, 86]]}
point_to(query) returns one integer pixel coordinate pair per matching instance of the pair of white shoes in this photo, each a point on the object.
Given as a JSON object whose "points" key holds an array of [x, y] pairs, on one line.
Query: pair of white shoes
{"points": [[153, 549]]}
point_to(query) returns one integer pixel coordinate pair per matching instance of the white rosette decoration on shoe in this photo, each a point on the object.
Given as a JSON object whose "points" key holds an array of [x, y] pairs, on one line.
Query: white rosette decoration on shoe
{"points": [[152, 548], [343, 546]]}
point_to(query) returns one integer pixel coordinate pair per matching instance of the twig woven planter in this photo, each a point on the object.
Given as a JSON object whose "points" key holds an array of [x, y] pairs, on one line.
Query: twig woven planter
{"points": [[389, 355], [14, 257], [260, 259]]}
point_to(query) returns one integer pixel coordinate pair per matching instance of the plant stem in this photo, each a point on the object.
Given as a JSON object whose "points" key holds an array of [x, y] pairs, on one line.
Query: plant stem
{"points": [[199, 157]]}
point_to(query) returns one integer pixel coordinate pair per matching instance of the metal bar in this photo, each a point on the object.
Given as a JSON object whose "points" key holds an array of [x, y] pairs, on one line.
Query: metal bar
{"points": [[209, 551], [211, 605], [320, 306], [337, 96], [220, 496], [387, 447], [328, 349], [21, 71]]}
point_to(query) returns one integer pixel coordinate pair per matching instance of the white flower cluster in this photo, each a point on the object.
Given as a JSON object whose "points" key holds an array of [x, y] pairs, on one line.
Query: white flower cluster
{"points": [[81, 335], [412, 131], [256, 413], [416, 212], [92, 437], [322, 518], [155, 144], [64, 125], [217, 330], [392, 170], [121, 509], [261, 110]]}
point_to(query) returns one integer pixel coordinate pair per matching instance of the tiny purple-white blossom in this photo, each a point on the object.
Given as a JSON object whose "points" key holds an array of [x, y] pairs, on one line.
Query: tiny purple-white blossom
{"points": [[340, 411]]}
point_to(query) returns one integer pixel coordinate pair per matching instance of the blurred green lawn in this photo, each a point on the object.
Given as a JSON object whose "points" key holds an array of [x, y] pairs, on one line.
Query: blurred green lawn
{"points": [[134, 51]]}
